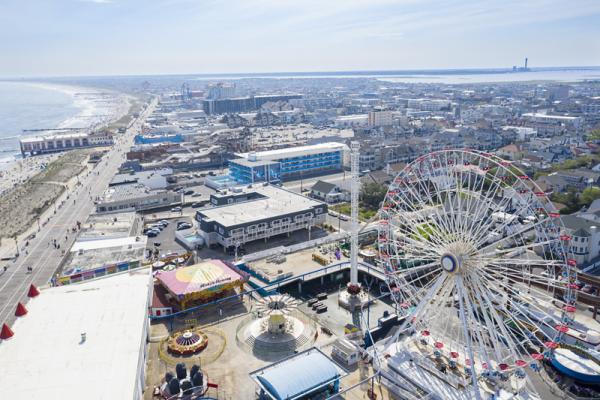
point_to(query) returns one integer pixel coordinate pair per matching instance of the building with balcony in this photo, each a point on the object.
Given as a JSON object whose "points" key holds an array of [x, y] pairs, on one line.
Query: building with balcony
{"points": [[288, 163], [258, 213]]}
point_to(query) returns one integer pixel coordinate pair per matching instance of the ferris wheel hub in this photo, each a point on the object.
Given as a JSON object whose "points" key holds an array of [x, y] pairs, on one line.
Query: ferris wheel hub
{"points": [[451, 263]]}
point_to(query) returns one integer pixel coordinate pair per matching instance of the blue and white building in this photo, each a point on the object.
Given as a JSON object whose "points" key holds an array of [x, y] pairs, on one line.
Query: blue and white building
{"points": [[289, 163], [306, 375]]}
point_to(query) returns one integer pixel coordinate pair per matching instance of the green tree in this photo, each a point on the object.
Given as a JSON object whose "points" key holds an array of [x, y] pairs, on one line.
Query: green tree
{"points": [[372, 194], [589, 195]]}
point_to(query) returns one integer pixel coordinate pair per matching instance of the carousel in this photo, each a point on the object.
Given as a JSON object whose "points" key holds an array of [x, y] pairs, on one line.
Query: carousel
{"points": [[187, 342]]}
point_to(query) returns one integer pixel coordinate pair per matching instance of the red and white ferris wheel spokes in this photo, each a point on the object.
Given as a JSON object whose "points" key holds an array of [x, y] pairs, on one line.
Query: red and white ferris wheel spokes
{"points": [[464, 238]]}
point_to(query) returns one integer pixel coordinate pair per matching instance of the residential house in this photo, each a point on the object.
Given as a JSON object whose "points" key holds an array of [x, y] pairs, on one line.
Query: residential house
{"points": [[585, 238], [329, 192], [510, 152]]}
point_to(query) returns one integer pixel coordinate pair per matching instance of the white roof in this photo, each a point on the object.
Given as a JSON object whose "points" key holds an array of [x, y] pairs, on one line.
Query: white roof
{"points": [[560, 117], [34, 139], [352, 117], [297, 151], [279, 202], [46, 359], [106, 243]]}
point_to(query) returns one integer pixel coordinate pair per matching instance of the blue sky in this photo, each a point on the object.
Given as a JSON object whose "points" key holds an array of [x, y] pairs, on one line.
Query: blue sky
{"points": [[107, 37]]}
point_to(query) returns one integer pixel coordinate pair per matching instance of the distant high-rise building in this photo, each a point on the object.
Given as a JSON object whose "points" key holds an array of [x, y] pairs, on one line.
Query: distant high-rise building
{"points": [[217, 91], [243, 104]]}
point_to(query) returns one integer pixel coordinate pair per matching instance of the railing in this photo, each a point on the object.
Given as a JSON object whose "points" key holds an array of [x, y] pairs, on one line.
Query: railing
{"points": [[274, 285]]}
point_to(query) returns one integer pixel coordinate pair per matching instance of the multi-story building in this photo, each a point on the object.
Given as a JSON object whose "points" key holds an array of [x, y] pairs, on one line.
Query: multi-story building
{"points": [[352, 121], [380, 118], [259, 213], [429, 104], [243, 104], [585, 238], [221, 90], [549, 125], [288, 163], [65, 141]]}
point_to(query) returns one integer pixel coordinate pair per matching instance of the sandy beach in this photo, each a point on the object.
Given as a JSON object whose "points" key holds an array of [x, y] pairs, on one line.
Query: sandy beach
{"points": [[18, 172], [97, 109]]}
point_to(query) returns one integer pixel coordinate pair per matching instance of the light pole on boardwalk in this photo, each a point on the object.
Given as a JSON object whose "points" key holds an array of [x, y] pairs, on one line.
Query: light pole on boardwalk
{"points": [[16, 245]]}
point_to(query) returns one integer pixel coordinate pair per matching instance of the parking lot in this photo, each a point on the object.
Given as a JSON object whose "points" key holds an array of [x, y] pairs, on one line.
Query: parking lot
{"points": [[166, 237]]}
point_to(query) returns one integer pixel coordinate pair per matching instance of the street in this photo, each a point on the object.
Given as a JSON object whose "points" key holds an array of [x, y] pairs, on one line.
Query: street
{"points": [[73, 206]]}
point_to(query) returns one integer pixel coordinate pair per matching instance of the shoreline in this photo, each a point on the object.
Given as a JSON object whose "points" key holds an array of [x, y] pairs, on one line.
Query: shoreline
{"points": [[91, 114]]}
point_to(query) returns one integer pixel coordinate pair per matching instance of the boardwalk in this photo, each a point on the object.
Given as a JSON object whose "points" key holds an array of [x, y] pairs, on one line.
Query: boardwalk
{"points": [[42, 256]]}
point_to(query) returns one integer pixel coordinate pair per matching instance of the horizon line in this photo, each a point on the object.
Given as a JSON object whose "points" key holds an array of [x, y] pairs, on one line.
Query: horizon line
{"points": [[325, 73]]}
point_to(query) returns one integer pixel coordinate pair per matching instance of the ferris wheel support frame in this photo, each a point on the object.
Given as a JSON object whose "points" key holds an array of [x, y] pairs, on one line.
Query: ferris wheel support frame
{"points": [[439, 212]]}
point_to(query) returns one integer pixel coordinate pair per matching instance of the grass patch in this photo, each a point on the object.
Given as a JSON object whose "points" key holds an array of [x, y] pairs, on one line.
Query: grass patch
{"points": [[364, 214], [22, 205]]}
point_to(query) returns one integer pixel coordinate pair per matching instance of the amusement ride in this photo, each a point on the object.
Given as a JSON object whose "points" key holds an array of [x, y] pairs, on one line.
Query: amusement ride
{"points": [[478, 265]]}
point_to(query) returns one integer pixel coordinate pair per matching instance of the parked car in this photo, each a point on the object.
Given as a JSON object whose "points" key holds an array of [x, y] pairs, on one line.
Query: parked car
{"points": [[163, 222], [176, 209], [312, 301], [151, 233], [184, 226], [321, 309], [188, 192], [196, 205]]}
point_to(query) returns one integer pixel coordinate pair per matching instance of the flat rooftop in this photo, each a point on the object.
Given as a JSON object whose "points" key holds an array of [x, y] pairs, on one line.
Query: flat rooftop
{"points": [[127, 191], [558, 117], [47, 359], [90, 254], [296, 151], [66, 135], [278, 202], [247, 163], [104, 226]]}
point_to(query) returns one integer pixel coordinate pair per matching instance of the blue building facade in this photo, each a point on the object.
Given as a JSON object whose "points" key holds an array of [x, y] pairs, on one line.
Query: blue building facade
{"points": [[311, 164], [148, 139], [245, 172], [288, 164]]}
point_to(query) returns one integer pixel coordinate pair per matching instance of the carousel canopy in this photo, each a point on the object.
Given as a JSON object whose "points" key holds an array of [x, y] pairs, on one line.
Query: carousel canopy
{"points": [[206, 275]]}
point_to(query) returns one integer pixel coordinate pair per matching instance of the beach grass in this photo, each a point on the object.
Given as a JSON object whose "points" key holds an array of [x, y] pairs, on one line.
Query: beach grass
{"points": [[22, 205]]}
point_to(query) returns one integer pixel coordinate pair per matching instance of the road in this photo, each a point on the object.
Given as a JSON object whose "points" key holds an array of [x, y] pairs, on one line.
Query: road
{"points": [[339, 178], [41, 255]]}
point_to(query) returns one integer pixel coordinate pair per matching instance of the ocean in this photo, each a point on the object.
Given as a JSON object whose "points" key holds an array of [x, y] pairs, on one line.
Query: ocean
{"points": [[47, 106], [31, 106], [445, 76]]}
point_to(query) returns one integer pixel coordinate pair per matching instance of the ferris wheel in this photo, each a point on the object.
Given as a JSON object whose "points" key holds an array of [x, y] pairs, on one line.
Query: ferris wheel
{"points": [[477, 263]]}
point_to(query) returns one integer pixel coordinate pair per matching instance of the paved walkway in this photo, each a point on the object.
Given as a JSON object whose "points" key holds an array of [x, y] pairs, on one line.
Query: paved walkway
{"points": [[41, 255]]}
